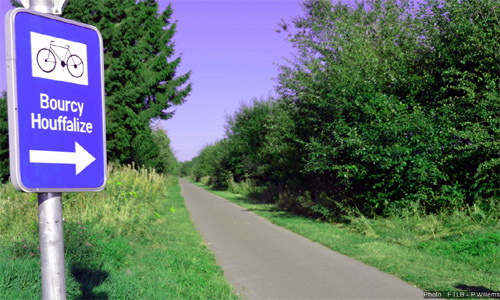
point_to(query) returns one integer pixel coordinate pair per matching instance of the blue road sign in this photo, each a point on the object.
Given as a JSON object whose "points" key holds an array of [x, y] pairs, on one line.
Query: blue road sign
{"points": [[55, 96]]}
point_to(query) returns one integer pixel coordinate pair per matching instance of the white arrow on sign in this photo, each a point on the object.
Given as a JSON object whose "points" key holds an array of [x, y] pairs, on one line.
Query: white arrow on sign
{"points": [[80, 158]]}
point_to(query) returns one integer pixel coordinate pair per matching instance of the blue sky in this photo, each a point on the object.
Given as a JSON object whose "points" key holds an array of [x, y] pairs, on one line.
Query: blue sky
{"points": [[232, 49]]}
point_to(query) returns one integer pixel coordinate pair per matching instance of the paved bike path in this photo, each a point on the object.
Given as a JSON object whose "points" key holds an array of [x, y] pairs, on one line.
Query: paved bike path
{"points": [[265, 261]]}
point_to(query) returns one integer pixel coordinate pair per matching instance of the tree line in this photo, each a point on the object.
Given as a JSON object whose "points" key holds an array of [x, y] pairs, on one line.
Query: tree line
{"points": [[387, 106], [141, 84]]}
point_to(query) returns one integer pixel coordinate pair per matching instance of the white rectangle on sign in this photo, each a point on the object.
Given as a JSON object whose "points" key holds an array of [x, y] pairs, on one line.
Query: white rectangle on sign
{"points": [[58, 59]]}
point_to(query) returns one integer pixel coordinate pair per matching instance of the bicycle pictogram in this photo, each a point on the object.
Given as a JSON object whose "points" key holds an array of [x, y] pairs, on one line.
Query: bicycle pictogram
{"points": [[47, 59]]}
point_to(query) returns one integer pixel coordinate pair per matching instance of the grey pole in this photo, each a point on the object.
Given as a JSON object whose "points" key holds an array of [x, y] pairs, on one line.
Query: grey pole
{"points": [[50, 219]]}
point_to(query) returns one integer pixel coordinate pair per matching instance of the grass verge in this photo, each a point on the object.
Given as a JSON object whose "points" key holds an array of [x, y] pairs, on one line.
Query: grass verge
{"points": [[448, 252], [134, 240]]}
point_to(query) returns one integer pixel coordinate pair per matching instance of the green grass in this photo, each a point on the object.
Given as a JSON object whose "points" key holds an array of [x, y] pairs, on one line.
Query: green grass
{"points": [[447, 252], [134, 240]]}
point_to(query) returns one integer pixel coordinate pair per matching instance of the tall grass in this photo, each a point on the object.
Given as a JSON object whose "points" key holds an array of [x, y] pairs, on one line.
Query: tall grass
{"points": [[133, 240], [122, 208]]}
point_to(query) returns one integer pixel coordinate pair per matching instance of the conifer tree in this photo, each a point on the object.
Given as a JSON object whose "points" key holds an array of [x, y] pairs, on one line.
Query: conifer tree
{"points": [[140, 76], [140, 71]]}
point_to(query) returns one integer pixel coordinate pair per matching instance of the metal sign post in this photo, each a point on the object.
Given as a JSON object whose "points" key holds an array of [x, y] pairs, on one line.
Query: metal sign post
{"points": [[50, 220], [55, 89]]}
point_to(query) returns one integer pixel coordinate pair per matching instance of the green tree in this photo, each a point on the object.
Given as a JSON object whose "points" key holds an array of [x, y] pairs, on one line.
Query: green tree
{"points": [[140, 72], [246, 131], [459, 71], [186, 169], [212, 162], [167, 163], [281, 152], [345, 92], [393, 107]]}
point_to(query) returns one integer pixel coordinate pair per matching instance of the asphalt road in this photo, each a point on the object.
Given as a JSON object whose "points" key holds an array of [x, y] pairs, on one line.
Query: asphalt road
{"points": [[265, 261]]}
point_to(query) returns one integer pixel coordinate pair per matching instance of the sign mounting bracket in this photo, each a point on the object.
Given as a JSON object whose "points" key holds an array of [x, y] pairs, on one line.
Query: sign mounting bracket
{"points": [[54, 7]]}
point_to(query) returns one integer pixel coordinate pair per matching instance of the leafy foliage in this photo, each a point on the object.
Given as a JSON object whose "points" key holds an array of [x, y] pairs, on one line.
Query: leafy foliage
{"points": [[386, 107], [465, 82], [167, 163], [211, 163], [246, 130]]}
